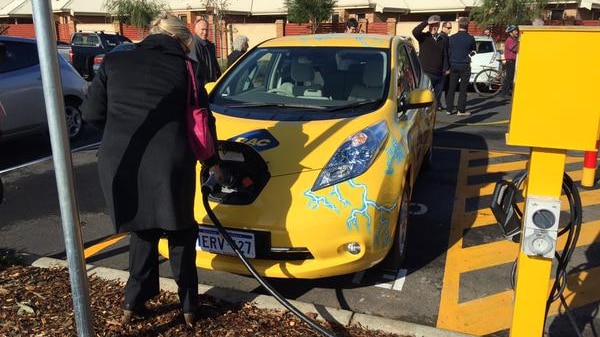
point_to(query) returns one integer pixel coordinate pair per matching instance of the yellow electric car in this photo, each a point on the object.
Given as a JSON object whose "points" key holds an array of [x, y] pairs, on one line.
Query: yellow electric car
{"points": [[322, 138]]}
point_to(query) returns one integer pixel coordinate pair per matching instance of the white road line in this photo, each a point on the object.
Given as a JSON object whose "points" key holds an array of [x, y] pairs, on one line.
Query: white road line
{"points": [[400, 278]]}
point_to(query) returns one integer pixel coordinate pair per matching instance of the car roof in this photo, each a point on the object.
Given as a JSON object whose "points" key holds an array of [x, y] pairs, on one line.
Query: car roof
{"points": [[333, 40], [17, 39]]}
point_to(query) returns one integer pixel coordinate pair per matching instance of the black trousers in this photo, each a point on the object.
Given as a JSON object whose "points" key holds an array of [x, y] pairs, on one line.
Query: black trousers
{"points": [[143, 282], [458, 72], [507, 86]]}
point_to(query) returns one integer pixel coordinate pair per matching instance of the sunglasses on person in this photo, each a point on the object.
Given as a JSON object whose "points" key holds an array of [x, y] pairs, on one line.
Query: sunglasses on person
{"points": [[448, 27]]}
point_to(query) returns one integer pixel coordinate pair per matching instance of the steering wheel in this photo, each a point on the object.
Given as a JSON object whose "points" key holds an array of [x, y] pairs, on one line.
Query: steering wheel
{"points": [[279, 91]]}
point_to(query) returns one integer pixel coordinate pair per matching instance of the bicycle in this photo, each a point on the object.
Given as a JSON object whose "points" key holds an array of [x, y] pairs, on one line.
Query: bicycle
{"points": [[488, 82]]}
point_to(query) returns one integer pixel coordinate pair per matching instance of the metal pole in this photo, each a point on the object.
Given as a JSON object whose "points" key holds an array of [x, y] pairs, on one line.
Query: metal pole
{"points": [[53, 97]]}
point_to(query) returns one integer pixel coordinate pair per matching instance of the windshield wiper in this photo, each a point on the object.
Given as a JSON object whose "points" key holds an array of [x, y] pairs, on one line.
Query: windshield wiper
{"points": [[276, 105], [354, 105]]}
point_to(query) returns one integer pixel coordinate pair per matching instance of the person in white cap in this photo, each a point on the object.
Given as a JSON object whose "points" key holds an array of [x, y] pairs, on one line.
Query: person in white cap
{"points": [[433, 54]]}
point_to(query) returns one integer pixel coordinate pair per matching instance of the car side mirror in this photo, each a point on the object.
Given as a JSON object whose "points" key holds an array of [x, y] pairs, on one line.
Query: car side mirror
{"points": [[419, 98]]}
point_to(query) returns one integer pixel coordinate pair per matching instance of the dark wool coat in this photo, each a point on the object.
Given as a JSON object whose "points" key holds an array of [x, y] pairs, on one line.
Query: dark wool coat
{"points": [[145, 163], [433, 53]]}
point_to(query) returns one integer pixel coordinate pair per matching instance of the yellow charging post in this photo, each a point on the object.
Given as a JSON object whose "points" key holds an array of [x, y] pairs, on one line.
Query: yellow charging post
{"points": [[554, 109]]}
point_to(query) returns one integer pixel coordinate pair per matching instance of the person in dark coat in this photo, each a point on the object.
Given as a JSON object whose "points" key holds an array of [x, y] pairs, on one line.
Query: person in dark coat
{"points": [[461, 48], [205, 53], [240, 46], [145, 162], [433, 54]]}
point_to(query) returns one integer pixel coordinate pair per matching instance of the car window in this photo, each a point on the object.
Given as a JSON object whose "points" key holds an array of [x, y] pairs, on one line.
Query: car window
{"points": [[405, 73], [18, 55], [484, 47], [414, 61], [89, 40], [114, 40], [324, 77]]}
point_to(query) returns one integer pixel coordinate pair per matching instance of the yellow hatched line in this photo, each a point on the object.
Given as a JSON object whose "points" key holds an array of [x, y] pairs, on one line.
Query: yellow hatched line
{"points": [[481, 154], [511, 166], [493, 313], [95, 249], [484, 217], [449, 296], [473, 317], [488, 188], [500, 252]]}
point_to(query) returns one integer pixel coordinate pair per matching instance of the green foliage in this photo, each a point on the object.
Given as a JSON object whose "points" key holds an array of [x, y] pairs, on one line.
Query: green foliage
{"points": [[506, 12], [311, 11], [138, 13]]}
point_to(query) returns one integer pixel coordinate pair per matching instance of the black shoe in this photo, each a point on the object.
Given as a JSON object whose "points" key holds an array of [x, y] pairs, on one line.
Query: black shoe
{"points": [[134, 312]]}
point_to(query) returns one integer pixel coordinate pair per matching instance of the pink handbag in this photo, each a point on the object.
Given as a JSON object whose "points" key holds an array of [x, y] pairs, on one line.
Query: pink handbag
{"points": [[199, 135]]}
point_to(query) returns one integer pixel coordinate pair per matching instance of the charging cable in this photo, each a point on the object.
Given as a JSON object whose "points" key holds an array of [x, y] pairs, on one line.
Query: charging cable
{"points": [[207, 188]]}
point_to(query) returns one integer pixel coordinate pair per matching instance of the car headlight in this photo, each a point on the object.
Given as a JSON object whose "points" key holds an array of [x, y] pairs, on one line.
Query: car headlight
{"points": [[354, 156]]}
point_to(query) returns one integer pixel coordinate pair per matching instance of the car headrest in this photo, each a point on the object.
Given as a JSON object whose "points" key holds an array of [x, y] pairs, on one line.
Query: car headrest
{"points": [[373, 73], [302, 70]]}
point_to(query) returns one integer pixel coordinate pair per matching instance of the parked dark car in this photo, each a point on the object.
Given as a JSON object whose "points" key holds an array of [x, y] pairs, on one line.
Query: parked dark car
{"points": [[122, 47], [86, 45], [22, 106]]}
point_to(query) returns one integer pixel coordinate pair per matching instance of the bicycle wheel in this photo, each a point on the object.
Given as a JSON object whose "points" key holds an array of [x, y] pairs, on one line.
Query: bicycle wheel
{"points": [[488, 82]]}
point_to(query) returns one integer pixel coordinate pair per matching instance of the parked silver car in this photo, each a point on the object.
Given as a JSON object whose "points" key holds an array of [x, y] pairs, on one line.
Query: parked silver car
{"points": [[22, 107]]}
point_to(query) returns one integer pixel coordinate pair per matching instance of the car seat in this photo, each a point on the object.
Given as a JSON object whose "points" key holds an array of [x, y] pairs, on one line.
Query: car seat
{"points": [[371, 86], [303, 82]]}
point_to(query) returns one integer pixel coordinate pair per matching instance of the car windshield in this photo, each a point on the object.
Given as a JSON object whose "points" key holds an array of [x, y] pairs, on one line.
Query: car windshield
{"points": [[304, 81]]}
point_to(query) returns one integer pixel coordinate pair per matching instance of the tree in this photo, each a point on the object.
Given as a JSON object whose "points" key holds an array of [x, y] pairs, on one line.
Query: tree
{"points": [[3, 28], [506, 12], [138, 13], [312, 11]]}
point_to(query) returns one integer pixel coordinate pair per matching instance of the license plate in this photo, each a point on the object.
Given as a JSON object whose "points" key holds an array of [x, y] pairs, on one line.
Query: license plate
{"points": [[210, 240]]}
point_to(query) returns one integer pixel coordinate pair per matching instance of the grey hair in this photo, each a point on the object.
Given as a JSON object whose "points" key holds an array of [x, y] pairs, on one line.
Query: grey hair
{"points": [[171, 25], [239, 41]]}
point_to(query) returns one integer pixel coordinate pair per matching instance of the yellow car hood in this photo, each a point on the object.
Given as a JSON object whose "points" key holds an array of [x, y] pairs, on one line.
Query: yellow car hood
{"points": [[295, 146]]}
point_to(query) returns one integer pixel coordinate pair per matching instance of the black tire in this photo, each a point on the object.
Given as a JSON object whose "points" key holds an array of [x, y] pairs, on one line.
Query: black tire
{"points": [[486, 82], [397, 254], [73, 116]]}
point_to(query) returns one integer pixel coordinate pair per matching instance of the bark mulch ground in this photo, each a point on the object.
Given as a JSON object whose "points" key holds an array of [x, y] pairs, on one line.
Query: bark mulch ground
{"points": [[37, 302]]}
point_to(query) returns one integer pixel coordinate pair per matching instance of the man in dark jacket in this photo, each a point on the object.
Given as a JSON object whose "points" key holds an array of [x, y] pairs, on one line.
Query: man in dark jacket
{"points": [[205, 53], [433, 54], [146, 165], [240, 46], [461, 48]]}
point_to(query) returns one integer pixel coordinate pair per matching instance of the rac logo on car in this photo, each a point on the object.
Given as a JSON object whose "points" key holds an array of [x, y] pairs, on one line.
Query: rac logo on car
{"points": [[259, 140]]}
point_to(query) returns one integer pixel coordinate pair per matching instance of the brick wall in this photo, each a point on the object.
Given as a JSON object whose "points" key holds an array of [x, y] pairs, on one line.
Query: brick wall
{"points": [[21, 30]]}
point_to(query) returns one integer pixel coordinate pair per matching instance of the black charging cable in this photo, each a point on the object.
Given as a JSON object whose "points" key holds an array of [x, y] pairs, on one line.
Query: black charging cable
{"points": [[207, 188], [572, 230]]}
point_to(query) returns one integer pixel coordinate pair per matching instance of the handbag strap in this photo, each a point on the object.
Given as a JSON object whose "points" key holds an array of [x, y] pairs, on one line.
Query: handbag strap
{"points": [[192, 79]]}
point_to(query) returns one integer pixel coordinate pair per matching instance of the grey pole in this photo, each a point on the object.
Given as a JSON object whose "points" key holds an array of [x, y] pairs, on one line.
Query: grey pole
{"points": [[45, 32]]}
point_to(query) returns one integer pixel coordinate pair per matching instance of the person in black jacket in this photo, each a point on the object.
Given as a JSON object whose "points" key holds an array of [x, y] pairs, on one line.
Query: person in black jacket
{"points": [[205, 53], [145, 163], [461, 48], [240, 45], [433, 54]]}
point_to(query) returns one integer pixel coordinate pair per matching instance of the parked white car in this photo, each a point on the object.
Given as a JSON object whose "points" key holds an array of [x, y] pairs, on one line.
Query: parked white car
{"points": [[22, 106], [487, 56]]}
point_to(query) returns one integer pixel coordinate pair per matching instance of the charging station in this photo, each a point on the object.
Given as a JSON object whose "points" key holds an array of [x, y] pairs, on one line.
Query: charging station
{"points": [[553, 110]]}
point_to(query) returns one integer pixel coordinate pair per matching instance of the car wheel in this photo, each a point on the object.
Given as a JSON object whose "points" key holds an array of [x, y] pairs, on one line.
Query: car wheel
{"points": [[396, 255], [73, 117]]}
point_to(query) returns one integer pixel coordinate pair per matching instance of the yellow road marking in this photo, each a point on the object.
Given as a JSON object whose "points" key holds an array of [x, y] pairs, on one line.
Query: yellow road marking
{"points": [[95, 249], [473, 316], [479, 123]]}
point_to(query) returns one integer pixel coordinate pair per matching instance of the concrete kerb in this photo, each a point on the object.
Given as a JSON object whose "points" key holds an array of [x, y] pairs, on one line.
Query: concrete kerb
{"points": [[340, 316]]}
